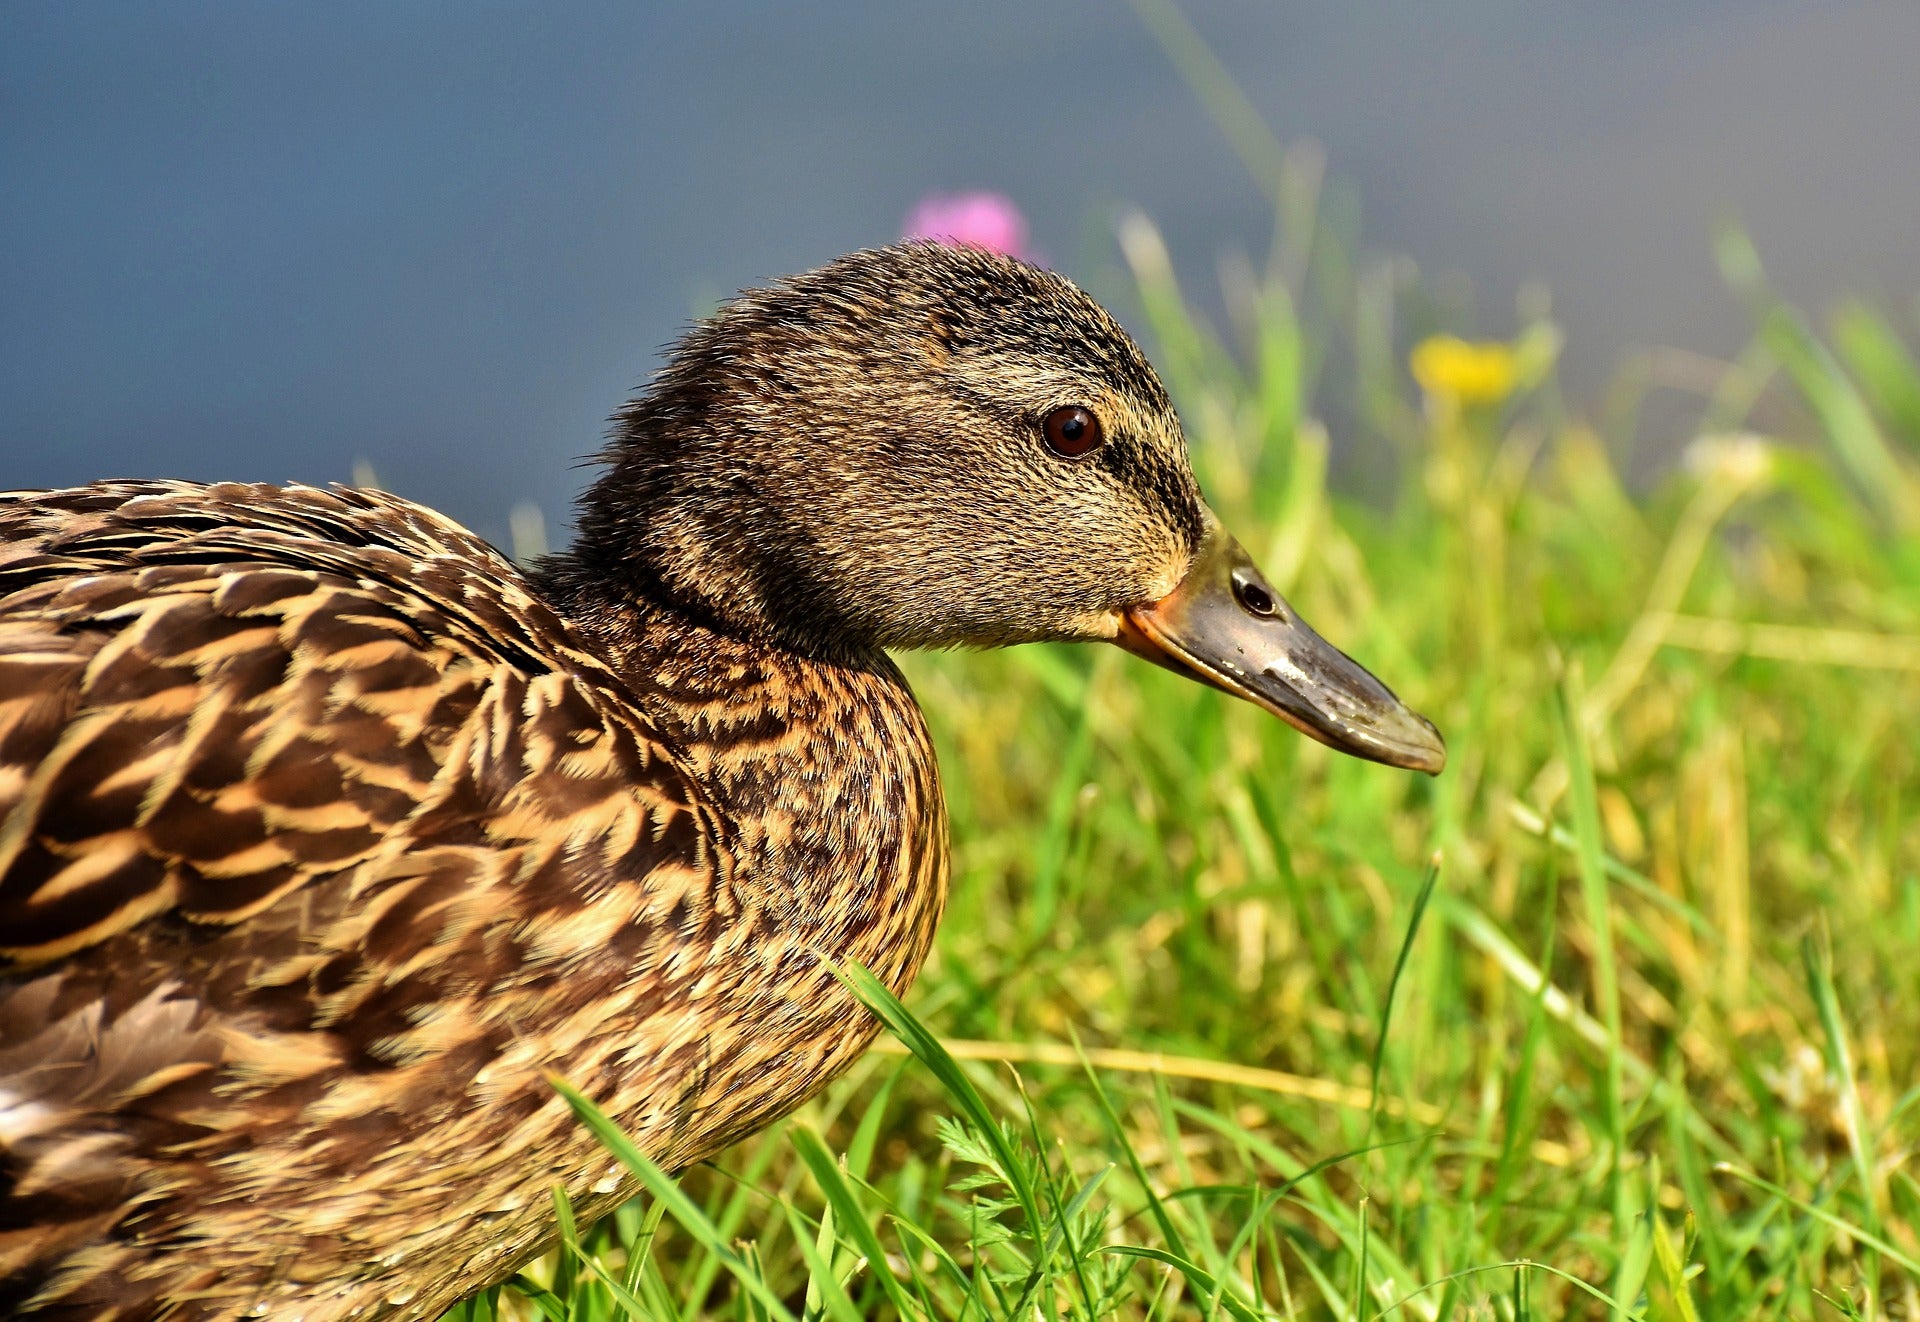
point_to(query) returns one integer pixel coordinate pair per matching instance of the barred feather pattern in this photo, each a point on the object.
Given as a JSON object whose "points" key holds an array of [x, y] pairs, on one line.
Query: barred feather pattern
{"points": [[326, 842]]}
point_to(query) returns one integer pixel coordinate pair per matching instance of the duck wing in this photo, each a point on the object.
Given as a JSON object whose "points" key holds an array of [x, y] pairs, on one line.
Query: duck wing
{"points": [[299, 789]]}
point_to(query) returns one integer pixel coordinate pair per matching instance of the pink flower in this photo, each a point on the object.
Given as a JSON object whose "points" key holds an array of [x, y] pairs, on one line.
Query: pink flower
{"points": [[977, 220]]}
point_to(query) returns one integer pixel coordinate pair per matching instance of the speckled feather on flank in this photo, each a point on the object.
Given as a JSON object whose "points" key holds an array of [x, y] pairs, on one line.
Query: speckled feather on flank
{"points": [[324, 842], [328, 837]]}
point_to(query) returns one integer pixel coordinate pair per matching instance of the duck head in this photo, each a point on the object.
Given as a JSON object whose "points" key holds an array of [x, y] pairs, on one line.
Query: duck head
{"points": [[928, 446]]}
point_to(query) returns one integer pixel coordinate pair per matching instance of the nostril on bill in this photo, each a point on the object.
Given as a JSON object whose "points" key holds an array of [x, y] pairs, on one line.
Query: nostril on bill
{"points": [[1254, 598]]}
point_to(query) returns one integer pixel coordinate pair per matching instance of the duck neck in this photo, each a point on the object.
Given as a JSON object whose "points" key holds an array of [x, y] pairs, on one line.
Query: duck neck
{"points": [[819, 768], [682, 518]]}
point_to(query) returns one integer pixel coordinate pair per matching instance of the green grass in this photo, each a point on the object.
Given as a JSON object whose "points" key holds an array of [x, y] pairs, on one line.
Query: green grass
{"points": [[1620, 1016]]}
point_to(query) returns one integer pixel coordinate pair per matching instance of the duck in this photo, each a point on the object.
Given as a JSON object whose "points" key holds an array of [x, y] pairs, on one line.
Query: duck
{"points": [[329, 837]]}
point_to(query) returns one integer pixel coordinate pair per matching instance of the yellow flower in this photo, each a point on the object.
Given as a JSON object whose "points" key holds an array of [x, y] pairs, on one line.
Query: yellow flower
{"points": [[1449, 368]]}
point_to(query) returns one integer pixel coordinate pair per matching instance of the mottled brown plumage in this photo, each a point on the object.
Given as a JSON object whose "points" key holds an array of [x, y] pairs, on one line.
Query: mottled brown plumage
{"points": [[327, 835]]}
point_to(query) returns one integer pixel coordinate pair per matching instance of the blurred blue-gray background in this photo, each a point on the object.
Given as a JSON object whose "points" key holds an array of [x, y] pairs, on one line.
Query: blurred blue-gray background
{"points": [[265, 240]]}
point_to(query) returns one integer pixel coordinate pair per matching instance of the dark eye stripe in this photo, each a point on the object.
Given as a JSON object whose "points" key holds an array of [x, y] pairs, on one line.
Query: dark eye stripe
{"points": [[1145, 468]]}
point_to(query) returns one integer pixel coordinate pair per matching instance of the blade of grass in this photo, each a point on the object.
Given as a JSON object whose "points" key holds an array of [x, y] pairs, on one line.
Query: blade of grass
{"points": [[1893, 1254], [1606, 978], [1118, 1133], [1207, 1285], [667, 1190], [567, 1267], [917, 1038], [1521, 1267], [846, 1205], [1393, 983], [825, 1291], [1818, 960], [1672, 1269]]}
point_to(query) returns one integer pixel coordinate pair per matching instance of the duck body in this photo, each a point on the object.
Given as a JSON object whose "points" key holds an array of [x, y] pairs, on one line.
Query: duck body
{"points": [[331, 838], [328, 838]]}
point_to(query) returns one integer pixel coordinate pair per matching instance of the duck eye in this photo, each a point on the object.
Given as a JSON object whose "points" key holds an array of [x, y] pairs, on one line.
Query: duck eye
{"points": [[1072, 431]]}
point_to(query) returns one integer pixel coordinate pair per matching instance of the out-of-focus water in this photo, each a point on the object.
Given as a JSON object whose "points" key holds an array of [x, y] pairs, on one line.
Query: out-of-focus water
{"points": [[243, 240]]}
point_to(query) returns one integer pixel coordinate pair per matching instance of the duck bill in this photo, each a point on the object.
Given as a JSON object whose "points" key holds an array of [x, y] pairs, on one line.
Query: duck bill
{"points": [[1226, 626]]}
